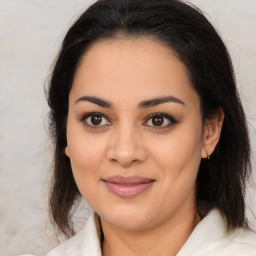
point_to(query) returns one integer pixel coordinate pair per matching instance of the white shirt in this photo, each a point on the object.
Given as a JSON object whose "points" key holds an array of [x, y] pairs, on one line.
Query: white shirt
{"points": [[209, 238]]}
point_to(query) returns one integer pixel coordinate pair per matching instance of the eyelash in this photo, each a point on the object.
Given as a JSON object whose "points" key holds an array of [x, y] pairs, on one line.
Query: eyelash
{"points": [[84, 117], [170, 118]]}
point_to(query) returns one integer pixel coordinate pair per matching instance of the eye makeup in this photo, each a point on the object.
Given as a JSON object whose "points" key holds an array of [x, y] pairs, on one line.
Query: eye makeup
{"points": [[159, 120]]}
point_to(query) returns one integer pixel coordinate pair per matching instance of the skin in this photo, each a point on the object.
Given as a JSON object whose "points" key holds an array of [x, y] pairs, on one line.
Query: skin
{"points": [[126, 72]]}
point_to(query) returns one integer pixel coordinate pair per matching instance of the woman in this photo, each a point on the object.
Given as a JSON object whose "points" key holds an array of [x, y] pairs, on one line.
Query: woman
{"points": [[150, 131]]}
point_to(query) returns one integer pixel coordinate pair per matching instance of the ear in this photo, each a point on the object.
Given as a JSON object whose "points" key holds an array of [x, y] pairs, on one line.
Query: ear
{"points": [[212, 131], [67, 151]]}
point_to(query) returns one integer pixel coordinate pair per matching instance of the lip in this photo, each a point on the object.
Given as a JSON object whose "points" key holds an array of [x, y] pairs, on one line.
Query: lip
{"points": [[128, 187]]}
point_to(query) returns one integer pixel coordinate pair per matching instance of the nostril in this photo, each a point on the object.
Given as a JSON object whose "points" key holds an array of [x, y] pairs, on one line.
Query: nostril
{"points": [[124, 152], [124, 162]]}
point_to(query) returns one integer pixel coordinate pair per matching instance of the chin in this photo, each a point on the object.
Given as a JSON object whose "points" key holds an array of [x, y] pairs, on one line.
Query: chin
{"points": [[129, 218]]}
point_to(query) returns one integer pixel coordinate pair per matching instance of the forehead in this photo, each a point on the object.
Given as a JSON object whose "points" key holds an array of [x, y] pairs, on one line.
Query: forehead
{"points": [[132, 69]]}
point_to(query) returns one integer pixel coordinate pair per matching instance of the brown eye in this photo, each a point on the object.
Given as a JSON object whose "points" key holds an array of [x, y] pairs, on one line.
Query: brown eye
{"points": [[95, 120], [157, 121], [160, 121]]}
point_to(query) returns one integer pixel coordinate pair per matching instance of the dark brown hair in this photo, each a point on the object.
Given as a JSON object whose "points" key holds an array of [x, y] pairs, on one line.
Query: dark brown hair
{"points": [[185, 30]]}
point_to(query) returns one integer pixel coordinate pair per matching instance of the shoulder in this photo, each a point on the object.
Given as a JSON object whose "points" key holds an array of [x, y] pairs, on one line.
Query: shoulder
{"points": [[86, 242], [212, 237], [240, 241]]}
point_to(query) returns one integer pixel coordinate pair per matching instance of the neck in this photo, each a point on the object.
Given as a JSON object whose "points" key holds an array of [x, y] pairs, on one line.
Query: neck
{"points": [[161, 240]]}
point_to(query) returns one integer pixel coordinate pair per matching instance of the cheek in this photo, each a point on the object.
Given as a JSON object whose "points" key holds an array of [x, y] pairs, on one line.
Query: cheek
{"points": [[178, 157], [86, 157], [179, 151], [85, 151], [84, 148]]}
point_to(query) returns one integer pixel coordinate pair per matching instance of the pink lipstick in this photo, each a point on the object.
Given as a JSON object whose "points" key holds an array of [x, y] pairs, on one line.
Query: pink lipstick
{"points": [[127, 187]]}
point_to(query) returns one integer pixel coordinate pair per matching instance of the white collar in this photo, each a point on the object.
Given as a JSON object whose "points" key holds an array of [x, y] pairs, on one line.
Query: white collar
{"points": [[84, 243], [213, 227], [210, 233]]}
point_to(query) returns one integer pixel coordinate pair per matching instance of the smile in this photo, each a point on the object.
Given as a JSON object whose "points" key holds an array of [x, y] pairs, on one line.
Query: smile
{"points": [[128, 187]]}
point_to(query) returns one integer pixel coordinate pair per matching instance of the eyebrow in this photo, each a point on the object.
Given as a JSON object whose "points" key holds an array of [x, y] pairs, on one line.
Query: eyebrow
{"points": [[156, 101], [95, 100], [144, 104]]}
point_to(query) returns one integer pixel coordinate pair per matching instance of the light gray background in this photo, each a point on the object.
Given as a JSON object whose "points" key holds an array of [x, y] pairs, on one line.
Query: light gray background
{"points": [[30, 35]]}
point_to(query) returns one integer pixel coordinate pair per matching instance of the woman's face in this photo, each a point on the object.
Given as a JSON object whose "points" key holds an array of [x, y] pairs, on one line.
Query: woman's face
{"points": [[134, 133]]}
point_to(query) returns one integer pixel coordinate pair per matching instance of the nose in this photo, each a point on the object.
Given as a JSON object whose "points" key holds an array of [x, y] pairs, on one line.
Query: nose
{"points": [[126, 147]]}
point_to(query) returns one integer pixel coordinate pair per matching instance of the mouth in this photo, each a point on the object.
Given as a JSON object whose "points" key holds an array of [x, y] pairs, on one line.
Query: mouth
{"points": [[128, 187]]}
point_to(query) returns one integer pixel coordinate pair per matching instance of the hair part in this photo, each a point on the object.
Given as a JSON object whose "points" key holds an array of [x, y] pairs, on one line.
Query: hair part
{"points": [[185, 30]]}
